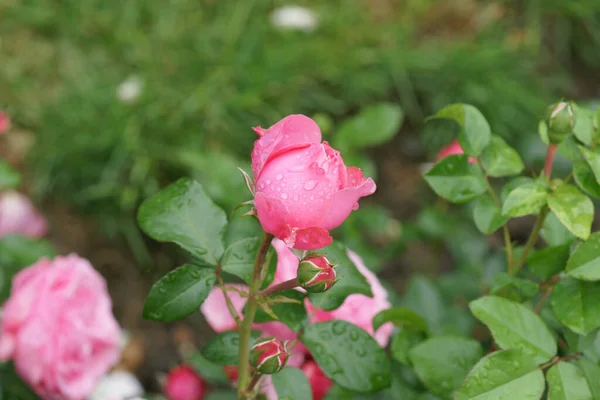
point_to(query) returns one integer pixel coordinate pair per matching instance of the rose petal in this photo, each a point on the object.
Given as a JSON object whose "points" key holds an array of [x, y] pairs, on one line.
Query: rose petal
{"points": [[346, 200], [287, 262], [311, 239], [215, 309]]}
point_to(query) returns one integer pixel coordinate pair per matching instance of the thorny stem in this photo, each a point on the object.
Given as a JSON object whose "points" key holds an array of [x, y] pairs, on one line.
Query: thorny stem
{"points": [[251, 305], [230, 306], [280, 287], [506, 232]]}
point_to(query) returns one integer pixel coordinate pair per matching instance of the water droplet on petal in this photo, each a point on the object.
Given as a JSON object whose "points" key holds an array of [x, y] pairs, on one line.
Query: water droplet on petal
{"points": [[284, 196], [279, 177], [310, 185]]}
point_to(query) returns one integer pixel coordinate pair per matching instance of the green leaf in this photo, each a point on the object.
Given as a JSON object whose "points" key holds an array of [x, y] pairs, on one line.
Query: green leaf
{"points": [[238, 258], [554, 232], [402, 343], [182, 213], [351, 280], [514, 326], [499, 159], [219, 395], [513, 184], [291, 384], [208, 370], [456, 180], [567, 382], [442, 362], [179, 293], [574, 209], [512, 287], [585, 179], [18, 252], [503, 375], [487, 215], [576, 304], [402, 317], [588, 345], [348, 355], [591, 372], [584, 121], [292, 314], [374, 125], [584, 263], [475, 133], [525, 199], [549, 261], [423, 296], [9, 178], [223, 349]]}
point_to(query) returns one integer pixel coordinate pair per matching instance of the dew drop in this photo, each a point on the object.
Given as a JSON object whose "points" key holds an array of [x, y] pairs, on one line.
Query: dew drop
{"points": [[295, 197], [279, 177], [284, 196], [310, 185], [312, 197]]}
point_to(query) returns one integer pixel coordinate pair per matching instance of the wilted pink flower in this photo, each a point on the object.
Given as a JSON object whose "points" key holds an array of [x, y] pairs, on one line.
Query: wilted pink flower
{"points": [[183, 383], [58, 328], [319, 382], [451, 149], [303, 188], [4, 122], [18, 215]]}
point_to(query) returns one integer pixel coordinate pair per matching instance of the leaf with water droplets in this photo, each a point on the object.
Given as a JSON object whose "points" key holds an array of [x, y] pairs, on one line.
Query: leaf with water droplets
{"points": [[576, 304], [443, 362], [584, 263], [515, 326], [292, 383], [475, 132], [526, 199], [403, 317], [567, 382], [573, 209], [179, 293], [223, 349], [238, 258], [9, 178], [457, 180], [503, 375], [351, 280], [348, 355], [487, 215], [182, 213], [402, 342]]}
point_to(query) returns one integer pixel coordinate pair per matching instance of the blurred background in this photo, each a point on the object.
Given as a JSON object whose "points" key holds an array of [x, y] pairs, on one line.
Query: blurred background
{"points": [[111, 100]]}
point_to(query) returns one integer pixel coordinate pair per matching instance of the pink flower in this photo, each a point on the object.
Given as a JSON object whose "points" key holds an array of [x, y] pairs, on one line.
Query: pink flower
{"points": [[183, 383], [58, 328], [4, 122], [451, 149], [303, 188], [18, 215], [319, 382]]}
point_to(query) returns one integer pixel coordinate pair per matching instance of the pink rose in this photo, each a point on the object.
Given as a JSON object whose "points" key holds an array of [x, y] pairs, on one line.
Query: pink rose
{"points": [[319, 382], [357, 308], [451, 149], [303, 188], [58, 328], [18, 215], [183, 383], [4, 122]]}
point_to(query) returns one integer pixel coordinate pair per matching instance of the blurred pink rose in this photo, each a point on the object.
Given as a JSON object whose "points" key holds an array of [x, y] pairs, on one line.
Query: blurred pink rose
{"points": [[452, 149], [58, 328], [183, 383], [319, 382], [303, 188], [18, 215], [4, 122]]}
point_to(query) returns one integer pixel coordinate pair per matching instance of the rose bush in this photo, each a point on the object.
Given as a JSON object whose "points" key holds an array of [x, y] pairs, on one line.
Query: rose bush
{"points": [[303, 189], [58, 328]]}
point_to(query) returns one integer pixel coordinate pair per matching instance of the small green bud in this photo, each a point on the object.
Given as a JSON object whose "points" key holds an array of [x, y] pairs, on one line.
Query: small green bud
{"points": [[316, 274], [560, 121], [268, 355]]}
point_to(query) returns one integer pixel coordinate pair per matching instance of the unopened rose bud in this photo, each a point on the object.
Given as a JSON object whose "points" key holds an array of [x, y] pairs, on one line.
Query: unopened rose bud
{"points": [[560, 121], [183, 383], [316, 274], [268, 355]]}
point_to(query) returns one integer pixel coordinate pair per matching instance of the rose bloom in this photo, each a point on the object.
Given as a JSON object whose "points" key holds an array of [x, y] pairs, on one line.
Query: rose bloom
{"points": [[454, 148], [183, 383], [19, 216], [58, 328], [4, 122], [303, 188]]}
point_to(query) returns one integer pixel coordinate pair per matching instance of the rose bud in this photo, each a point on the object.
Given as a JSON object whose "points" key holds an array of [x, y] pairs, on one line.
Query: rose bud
{"points": [[268, 355], [316, 274], [453, 148], [319, 383], [560, 121], [183, 383], [303, 187]]}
